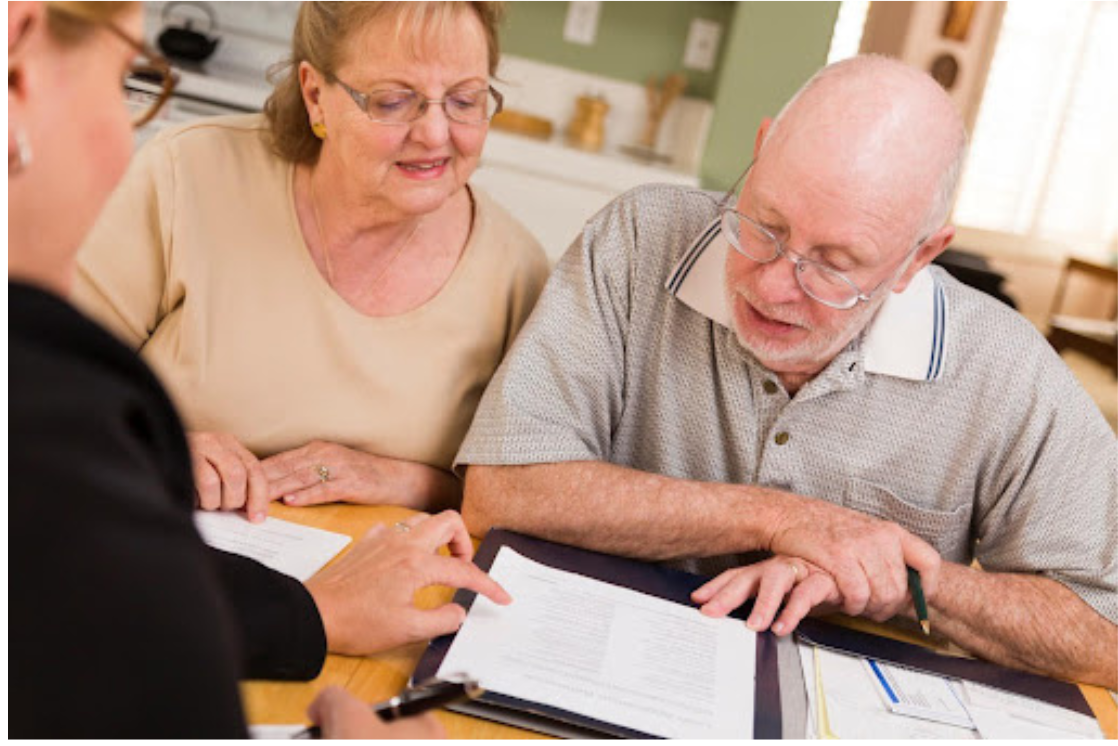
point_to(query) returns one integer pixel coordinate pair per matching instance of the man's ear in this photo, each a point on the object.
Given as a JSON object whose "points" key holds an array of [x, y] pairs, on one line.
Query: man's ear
{"points": [[929, 250], [762, 133]]}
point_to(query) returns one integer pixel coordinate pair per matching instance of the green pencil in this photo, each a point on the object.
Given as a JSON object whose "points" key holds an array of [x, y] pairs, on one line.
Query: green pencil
{"points": [[917, 590]]}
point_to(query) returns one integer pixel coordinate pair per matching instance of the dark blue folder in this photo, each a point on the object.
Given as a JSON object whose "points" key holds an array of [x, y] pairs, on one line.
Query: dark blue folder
{"points": [[662, 582]]}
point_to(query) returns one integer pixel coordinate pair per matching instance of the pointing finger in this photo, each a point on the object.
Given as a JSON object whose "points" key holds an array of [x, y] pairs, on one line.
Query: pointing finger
{"points": [[461, 574]]}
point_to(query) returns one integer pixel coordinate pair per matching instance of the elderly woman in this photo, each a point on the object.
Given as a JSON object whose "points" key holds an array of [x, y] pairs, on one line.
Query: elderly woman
{"points": [[126, 624], [320, 287]]}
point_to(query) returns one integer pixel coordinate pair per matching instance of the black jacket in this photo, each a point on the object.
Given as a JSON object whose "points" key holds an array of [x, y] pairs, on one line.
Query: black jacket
{"points": [[121, 622]]}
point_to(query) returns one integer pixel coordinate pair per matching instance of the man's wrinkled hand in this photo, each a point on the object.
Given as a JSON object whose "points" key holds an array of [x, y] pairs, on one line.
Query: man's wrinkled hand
{"points": [[804, 585], [867, 557]]}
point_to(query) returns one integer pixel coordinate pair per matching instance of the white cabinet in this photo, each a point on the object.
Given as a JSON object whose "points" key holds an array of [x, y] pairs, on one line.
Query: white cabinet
{"points": [[554, 189]]}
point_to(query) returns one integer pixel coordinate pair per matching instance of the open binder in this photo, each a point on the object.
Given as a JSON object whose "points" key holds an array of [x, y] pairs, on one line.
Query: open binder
{"points": [[654, 580]]}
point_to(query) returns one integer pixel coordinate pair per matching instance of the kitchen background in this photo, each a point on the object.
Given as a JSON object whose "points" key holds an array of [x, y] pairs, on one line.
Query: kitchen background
{"points": [[583, 79]]}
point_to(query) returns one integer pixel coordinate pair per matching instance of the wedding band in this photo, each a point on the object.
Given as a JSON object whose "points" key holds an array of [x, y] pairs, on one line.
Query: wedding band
{"points": [[401, 527], [323, 473], [795, 572]]}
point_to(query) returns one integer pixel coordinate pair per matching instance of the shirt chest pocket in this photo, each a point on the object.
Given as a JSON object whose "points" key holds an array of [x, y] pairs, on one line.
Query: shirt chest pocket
{"points": [[946, 530]]}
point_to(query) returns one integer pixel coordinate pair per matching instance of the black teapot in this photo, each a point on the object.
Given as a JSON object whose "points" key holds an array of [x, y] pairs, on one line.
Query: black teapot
{"points": [[183, 42]]}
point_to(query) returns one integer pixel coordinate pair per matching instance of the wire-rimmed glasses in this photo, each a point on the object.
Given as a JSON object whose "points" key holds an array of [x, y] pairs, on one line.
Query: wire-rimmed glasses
{"points": [[404, 106], [818, 281]]}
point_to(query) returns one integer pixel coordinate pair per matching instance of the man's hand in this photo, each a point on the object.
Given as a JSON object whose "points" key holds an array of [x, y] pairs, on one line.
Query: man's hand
{"points": [[366, 597], [341, 715], [866, 556], [804, 584]]}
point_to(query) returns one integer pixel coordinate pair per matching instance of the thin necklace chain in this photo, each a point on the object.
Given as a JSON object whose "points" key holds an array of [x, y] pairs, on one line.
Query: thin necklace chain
{"points": [[326, 247]]}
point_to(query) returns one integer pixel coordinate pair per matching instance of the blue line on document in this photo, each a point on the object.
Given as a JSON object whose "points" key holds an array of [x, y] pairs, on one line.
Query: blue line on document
{"points": [[884, 683]]}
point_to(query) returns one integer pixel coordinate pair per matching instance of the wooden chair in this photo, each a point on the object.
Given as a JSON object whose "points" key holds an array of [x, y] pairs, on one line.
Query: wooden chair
{"points": [[1084, 314]]}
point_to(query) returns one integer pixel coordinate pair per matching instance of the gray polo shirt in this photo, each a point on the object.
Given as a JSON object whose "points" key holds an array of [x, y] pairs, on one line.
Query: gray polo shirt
{"points": [[950, 415]]}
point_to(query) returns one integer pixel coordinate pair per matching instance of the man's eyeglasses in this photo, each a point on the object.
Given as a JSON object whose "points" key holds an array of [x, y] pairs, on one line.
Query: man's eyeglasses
{"points": [[818, 281], [404, 106]]}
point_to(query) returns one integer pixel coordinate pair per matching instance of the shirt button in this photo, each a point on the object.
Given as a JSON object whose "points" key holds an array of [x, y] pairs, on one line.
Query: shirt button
{"points": [[769, 387], [781, 438]]}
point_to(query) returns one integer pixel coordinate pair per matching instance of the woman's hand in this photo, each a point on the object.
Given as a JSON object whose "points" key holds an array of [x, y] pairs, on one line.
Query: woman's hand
{"points": [[341, 715], [323, 472], [366, 598], [805, 586], [227, 476]]}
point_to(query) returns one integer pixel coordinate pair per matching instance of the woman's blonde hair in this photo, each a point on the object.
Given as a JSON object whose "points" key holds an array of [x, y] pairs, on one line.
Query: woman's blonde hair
{"points": [[321, 32], [71, 22]]}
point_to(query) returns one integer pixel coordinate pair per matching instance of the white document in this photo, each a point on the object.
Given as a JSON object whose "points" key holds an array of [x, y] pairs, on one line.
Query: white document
{"points": [[853, 707], [298, 551], [855, 710], [1003, 715], [917, 694], [274, 732], [608, 653]]}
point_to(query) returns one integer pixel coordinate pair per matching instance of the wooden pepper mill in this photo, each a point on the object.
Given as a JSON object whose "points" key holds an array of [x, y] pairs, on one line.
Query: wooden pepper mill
{"points": [[587, 129]]}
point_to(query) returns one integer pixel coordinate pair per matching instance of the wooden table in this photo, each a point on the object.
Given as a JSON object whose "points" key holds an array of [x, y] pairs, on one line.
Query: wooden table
{"points": [[381, 676]]}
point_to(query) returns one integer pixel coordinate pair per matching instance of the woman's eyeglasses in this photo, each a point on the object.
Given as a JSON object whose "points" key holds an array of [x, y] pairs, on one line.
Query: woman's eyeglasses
{"points": [[404, 106]]}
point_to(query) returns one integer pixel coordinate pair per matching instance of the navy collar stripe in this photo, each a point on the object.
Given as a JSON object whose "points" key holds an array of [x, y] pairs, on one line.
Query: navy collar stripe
{"points": [[692, 256], [941, 324]]}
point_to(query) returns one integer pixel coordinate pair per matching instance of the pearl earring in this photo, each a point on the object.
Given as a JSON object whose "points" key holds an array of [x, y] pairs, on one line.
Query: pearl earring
{"points": [[21, 158]]}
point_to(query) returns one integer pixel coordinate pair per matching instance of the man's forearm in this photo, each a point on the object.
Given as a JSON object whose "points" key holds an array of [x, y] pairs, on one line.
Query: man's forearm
{"points": [[1027, 622], [621, 511]]}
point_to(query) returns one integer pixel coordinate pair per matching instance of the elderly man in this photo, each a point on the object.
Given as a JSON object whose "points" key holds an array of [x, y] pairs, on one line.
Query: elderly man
{"points": [[784, 372]]}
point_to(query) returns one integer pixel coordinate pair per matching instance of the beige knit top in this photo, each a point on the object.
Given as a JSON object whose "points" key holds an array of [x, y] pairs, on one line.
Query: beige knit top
{"points": [[198, 262]]}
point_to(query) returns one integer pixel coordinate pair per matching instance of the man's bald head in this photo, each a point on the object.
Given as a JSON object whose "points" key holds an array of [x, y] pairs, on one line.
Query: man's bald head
{"points": [[880, 127]]}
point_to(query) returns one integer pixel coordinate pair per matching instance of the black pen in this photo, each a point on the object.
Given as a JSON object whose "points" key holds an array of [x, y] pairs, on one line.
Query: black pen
{"points": [[917, 590], [416, 700]]}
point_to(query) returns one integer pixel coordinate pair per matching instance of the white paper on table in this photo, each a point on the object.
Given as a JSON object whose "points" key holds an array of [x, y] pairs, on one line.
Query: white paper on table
{"points": [[1004, 715], [608, 653], [274, 732], [918, 694], [854, 708], [294, 550]]}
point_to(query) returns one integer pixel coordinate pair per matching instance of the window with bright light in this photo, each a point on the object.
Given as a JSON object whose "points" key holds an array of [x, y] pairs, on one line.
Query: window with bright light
{"points": [[1043, 164], [849, 26]]}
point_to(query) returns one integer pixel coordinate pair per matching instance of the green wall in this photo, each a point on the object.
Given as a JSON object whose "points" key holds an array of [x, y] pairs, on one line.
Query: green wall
{"points": [[635, 39], [771, 50], [767, 50]]}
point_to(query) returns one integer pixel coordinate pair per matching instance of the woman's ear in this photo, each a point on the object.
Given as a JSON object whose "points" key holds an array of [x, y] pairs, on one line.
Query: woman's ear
{"points": [[310, 83], [25, 19]]}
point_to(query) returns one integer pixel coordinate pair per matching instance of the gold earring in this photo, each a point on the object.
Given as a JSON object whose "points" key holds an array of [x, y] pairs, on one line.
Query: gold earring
{"points": [[319, 130]]}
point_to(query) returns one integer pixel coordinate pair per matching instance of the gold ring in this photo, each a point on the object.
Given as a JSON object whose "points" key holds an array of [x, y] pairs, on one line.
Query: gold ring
{"points": [[795, 571], [323, 473], [401, 527]]}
